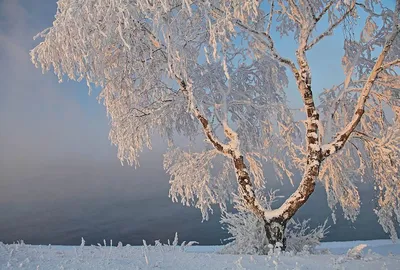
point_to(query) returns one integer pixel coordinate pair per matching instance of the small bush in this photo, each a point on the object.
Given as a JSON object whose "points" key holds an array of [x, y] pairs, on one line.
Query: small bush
{"points": [[248, 234]]}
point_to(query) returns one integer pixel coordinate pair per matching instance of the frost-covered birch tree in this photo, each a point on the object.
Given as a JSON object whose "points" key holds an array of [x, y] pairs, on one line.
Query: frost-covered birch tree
{"points": [[211, 69]]}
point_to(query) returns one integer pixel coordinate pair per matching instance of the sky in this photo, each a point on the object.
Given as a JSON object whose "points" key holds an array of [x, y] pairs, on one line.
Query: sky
{"points": [[57, 166]]}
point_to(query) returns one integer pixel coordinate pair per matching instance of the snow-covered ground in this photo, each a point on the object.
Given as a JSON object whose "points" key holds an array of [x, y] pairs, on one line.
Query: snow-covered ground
{"points": [[378, 254]]}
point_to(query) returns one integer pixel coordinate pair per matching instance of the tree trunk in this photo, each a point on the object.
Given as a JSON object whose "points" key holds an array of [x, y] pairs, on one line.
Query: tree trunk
{"points": [[274, 228], [275, 231]]}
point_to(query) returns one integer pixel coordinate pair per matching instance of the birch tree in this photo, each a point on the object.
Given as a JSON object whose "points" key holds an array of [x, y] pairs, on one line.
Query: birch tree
{"points": [[211, 69]]}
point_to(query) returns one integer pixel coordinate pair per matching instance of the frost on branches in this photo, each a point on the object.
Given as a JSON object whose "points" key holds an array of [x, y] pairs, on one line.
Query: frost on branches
{"points": [[211, 68], [249, 237]]}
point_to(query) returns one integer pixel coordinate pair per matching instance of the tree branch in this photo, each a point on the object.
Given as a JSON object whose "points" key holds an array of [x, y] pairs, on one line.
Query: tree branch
{"points": [[307, 184], [263, 35], [326, 8], [390, 64], [368, 10], [330, 28], [223, 148], [363, 135], [231, 150], [343, 135], [309, 6], [296, 12], [290, 15]]}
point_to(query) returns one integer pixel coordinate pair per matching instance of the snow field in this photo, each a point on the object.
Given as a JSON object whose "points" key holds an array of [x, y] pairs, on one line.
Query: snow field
{"points": [[377, 254]]}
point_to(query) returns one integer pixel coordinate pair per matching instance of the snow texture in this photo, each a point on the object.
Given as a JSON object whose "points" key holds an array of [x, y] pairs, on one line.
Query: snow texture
{"points": [[331, 256]]}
